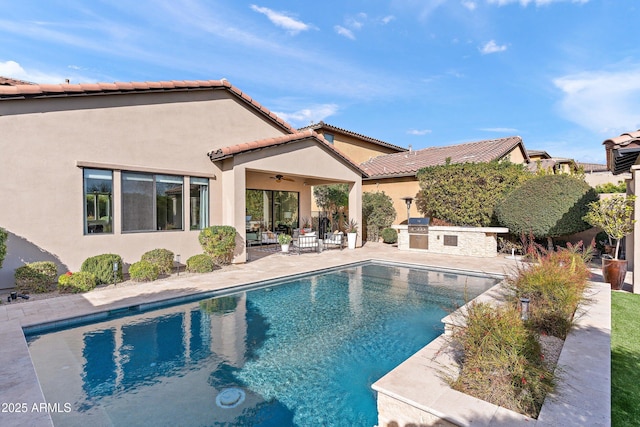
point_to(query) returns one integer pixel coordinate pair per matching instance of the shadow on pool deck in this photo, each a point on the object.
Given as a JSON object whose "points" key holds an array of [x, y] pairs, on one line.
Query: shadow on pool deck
{"points": [[18, 381]]}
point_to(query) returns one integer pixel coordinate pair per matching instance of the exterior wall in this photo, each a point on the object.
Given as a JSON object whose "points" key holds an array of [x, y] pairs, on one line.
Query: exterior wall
{"points": [[598, 178], [396, 188], [633, 240], [355, 148], [46, 142], [516, 155]]}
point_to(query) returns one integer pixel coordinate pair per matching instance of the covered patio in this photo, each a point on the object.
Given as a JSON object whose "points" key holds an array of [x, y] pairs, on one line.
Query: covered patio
{"points": [[266, 185]]}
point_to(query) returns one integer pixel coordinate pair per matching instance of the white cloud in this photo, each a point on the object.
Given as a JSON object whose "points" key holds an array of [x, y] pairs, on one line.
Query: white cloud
{"points": [[14, 70], [309, 115], [536, 2], [344, 32], [500, 130], [492, 47], [419, 132], [471, 5], [282, 20], [388, 19], [606, 102]]}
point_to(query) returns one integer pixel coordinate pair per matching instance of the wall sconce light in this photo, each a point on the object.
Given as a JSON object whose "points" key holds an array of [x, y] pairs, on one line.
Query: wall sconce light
{"points": [[178, 263], [524, 309]]}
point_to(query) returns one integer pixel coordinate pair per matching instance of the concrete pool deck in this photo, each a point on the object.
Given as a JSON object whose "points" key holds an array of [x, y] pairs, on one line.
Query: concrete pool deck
{"points": [[20, 394]]}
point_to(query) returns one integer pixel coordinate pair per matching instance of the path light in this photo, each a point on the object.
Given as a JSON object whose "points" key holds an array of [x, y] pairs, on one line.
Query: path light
{"points": [[408, 201], [178, 263], [115, 271], [524, 308]]}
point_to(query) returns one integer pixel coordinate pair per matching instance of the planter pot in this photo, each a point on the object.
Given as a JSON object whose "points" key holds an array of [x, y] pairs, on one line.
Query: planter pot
{"points": [[613, 272], [285, 248], [351, 240]]}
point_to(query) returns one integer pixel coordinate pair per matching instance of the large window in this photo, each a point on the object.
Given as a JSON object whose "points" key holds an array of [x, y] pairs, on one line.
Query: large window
{"points": [[151, 202], [98, 201], [272, 210], [199, 202]]}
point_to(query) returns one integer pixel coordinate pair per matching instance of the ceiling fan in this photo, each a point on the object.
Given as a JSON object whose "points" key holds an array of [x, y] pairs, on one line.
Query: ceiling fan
{"points": [[279, 178]]}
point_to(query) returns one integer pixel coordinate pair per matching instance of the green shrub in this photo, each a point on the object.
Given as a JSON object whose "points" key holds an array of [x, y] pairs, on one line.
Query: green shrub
{"points": [[144, 271], [76, 282], [101, 266], [36, 277], [378, 213], [219, 242], [502, 360], [555, 285], [219, 305], [389, 235], [163, 258], [547, 206], [201, 263], [3, 244]]}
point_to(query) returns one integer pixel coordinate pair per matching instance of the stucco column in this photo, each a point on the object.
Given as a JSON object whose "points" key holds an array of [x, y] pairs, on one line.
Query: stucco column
{"points": [[633, 255], [233, 207], [355, 207]]}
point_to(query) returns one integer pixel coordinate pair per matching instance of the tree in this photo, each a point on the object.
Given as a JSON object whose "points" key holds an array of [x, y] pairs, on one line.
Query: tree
{"points": [[614, 215], [333, 200], [3, 244], [378, 213], [547, 206], [466, 193]]}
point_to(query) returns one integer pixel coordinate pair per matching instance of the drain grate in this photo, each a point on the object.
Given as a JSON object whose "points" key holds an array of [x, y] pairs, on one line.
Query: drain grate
{"points": [[230, 398]]}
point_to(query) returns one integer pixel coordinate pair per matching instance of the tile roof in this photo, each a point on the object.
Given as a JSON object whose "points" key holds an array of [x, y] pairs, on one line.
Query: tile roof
{"points": [[540, 153], [593, 167], [408, 163], [622, 151], [226, 152], [8, 81], [323, 125], [30, 91]]}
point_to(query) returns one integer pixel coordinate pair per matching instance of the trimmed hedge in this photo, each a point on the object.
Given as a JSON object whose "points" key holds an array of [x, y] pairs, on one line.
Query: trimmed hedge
{"points": [[36, 277], [76, 282], [201, 263], [547, 206], [219, 242], [144, 271], [3, 244], [389, 235], [163, 258], [102, 267]]}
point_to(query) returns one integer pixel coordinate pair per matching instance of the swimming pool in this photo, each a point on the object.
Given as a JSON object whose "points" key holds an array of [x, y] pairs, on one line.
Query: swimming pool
{"points": [[303, 352]]}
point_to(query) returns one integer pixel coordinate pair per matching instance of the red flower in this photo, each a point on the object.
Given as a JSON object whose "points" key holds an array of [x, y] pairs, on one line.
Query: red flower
{"points": [[541, 356], [68, 273], [524, 380]]}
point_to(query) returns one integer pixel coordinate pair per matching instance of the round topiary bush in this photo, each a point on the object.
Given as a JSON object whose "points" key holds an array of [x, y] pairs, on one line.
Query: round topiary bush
{"points": [[547, 206], [163, 258], [219, 242], [76, 282], [144, 271], [201, 263], [389, 235], [102, 267], [36, 277]]}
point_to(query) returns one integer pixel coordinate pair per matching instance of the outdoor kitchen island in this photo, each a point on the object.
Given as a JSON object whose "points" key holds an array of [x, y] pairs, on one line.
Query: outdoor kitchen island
{"points": [[469, 241]]}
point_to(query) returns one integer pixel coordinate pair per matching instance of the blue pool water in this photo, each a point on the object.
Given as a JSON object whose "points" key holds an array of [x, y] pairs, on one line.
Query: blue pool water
{"points": [[300, 353]]}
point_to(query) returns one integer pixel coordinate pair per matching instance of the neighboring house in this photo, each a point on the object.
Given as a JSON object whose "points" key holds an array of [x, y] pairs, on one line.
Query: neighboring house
{"points": [[597, 174], [541, 160], [128, 167], [358, 147], [623, 157], [395, 174]]}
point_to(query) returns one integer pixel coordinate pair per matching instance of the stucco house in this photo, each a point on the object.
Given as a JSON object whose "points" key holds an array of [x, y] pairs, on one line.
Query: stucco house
{"points": [[125, 168]]}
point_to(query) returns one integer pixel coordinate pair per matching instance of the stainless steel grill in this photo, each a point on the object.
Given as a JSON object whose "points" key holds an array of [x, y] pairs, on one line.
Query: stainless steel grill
{"points": [[418, 229]]}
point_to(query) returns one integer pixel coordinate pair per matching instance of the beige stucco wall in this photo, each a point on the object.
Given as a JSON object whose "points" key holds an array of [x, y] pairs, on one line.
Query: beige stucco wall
{"points": [[397, 188], [599, 178], [43, 141], [516, 155], [355, 148]]}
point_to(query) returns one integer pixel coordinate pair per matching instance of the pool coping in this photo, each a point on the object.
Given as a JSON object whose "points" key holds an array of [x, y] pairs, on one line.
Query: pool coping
{"points": [[416, 392], [18, 379]]}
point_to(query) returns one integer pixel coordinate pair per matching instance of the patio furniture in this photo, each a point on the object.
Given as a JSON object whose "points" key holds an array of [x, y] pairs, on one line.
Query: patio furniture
{"points": [[269, 238], [334, 240], [306, 242]]}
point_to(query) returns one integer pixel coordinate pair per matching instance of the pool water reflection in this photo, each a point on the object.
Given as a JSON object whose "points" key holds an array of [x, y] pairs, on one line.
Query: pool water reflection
{"points": [[303, 352]]}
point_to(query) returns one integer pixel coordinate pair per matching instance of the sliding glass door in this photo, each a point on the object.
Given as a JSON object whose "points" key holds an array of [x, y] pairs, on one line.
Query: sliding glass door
{"points": [[268, 210]]}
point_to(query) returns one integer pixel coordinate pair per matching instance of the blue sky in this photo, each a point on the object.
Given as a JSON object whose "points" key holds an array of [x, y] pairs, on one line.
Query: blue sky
{"points": [[563, 74]]}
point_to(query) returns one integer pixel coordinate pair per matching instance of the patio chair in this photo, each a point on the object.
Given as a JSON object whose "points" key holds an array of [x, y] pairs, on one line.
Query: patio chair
{"points": [[308, 242], [334, 240]]}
